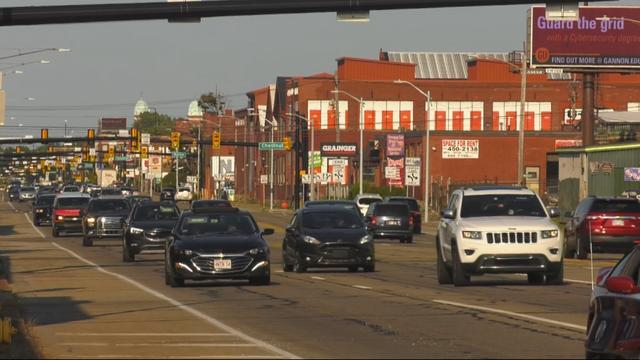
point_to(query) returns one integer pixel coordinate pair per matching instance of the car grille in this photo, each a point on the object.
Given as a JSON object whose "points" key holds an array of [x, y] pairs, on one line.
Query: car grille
{"points": [[158, 234], [512, 237], [205, 264], [109, 223]]}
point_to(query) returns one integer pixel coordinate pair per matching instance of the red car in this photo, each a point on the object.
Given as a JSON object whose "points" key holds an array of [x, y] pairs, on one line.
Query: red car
{"points": [[611, 224]]}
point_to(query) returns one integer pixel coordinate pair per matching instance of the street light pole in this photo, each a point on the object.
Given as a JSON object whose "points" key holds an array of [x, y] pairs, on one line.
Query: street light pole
{"points": [[271, 122], [427, 170], [310, 168], [523, 95]]}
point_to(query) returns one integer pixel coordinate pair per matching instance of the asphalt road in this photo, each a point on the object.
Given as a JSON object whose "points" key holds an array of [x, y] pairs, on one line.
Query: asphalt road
{"points": [[86, 303]]}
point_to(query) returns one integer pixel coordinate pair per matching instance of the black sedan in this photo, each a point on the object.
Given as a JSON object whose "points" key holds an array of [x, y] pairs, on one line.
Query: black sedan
{"points": [[613, 330], [42, 208], [327, 236], [148, 227], [217, 243]]}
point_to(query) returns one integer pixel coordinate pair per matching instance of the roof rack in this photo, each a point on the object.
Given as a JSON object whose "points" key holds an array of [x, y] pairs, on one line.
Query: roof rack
{"points": [[495, 187]]}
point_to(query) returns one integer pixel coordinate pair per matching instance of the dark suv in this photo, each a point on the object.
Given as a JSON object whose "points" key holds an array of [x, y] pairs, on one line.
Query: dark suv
{"points": [[168, 194], [42, 208], [104, 218], [612, 225], [414, 210], [148, 227], [390, 221]]}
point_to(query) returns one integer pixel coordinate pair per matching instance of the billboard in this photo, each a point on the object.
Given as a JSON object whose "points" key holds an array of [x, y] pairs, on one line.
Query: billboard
{"points": [[395, 144], [338, 149], [460, 149], [602, 37]]}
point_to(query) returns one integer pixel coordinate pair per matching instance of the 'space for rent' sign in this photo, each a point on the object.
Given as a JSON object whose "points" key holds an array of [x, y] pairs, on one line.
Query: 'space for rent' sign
{"points": [[460, 149]]}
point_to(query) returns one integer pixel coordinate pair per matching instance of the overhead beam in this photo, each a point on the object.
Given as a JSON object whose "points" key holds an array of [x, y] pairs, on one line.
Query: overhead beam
{"points": [[66, 14]]}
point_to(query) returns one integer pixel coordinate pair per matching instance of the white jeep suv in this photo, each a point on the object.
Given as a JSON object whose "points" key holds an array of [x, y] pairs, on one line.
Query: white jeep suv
{"points": [[493, 229]]}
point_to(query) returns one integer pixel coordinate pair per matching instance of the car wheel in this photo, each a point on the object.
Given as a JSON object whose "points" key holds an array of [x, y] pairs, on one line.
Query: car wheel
{"points": [[87, 241], [298, 267], [444, 273], [535, 278], [286, 267], [581, 249], [460, 278], [369, 268], [127, 254], [556, 278], [54, 232], [417, 229], [171, 280], [409, 240], [261, 281], [402, 240], [353, 269]]}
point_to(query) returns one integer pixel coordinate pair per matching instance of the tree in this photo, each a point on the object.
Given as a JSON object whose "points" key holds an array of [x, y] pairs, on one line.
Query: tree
{"points": [[212, 103], [154, 123]]}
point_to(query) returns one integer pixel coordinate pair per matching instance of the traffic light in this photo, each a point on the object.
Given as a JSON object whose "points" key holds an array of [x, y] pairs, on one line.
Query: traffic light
{"points": [[44, 134], [135, 140], [215, 140], [112, 151], [144, 152], [91, 135], [85, 153], [18, 150], [287, 143], [175, 140]]}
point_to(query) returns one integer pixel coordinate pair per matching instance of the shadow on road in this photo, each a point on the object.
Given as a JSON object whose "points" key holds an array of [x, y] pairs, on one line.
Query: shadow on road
{"points": [[6, 230]]}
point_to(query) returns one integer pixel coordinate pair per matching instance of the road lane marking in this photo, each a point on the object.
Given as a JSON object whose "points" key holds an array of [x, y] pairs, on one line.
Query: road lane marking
{"points": [[362, 287], [182, 306], [34, 227], [144, 334], [10, 204], [318, 278], [578, 281], [511, 313], [158, 344], [175, 303]]}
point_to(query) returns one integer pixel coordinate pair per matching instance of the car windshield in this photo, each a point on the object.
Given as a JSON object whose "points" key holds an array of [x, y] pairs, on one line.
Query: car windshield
{"points": [[331, 220], [71, 189], [210, 203], [156, 213], [73, 202], [115, 205], [111, 192], [501, 205], [228, 224], [28, 189], [413, 204], [616, 206], [45, 200], [401, 210], [368, 201]]}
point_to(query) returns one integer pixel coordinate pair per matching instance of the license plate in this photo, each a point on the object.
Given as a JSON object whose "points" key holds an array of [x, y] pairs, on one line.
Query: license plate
{"points": [[392, 222], [222, 264], [617, 222]]}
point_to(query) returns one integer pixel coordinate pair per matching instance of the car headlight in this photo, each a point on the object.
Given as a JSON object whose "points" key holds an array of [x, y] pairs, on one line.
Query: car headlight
{"points": [[311, 240], [548, 234], [60, 217], [39, 211], [365, 239], [476, 235], [257, 251], [186, 252], [91, 221], [136, 231]]}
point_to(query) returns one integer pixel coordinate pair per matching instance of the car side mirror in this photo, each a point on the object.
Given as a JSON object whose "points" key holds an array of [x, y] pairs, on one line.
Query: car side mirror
{"points": [[622, 285], [554, 212], [268, 231], [448, 214]]}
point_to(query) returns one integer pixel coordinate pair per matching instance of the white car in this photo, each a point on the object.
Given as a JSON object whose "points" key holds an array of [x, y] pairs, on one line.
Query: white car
{"points": [[184, 194], [364, 200], [498, 230]]}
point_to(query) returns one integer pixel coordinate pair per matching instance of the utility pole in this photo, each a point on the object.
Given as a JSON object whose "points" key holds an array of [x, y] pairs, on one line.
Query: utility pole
{"points": [[198, 166], [523, 94], [337, 107]]}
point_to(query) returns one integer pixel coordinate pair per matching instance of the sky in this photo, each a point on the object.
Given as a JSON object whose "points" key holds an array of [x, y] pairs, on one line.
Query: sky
{"points": [[111, 65]]}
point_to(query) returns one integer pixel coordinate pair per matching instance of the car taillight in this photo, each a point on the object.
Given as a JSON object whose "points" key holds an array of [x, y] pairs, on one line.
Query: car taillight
{"points": [[410, 220], [374, 220]]}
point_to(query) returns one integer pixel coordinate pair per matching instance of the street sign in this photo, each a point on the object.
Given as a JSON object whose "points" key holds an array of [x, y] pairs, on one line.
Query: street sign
{"points": [[271, 146], [178, 154], [412, 176], [264, 179], [120, 158], [391, 172], [306, 179], [412, 161], [144, 152], [146, 138], [87, 165]]}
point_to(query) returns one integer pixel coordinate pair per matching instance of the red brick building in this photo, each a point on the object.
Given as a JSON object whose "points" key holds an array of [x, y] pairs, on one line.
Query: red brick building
{"points": [[473, 97]]}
